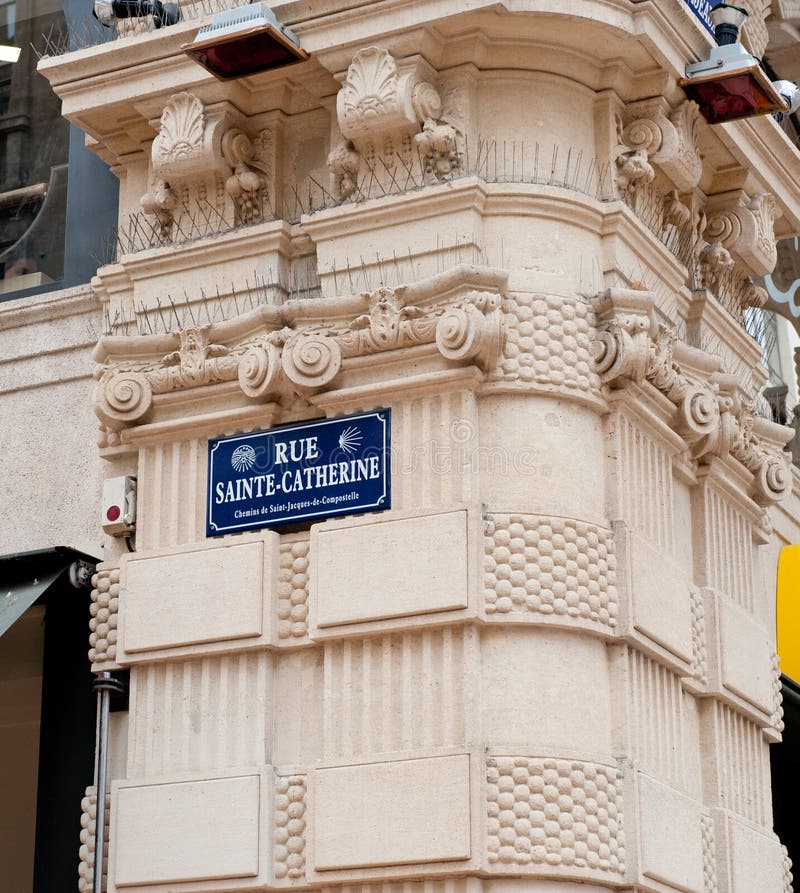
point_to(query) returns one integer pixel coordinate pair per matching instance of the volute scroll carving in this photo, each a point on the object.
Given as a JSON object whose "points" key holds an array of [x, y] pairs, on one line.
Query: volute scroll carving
{"points": [[298, 352], [660, 137], [709, 416], [745, 228]]}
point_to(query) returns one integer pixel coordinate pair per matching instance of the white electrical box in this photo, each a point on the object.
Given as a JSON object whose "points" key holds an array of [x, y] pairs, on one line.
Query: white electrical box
{"points": [[119, 506]]}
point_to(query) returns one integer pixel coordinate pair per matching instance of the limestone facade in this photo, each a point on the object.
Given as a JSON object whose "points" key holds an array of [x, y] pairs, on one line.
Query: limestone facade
{"points": [[550, 664]]}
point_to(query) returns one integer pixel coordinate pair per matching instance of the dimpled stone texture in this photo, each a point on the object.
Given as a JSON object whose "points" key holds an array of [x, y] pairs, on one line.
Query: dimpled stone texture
{"points": [[290, 826], [554, 812], [709, 855], [548, 342], [293, 590], [86, 852], [777, 693], [550, 566], [788, 877], [104, 611], [698, 637]]}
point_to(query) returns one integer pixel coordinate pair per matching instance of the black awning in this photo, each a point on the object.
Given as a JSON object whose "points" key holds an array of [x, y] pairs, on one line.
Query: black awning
{"points": [[25, 577]]}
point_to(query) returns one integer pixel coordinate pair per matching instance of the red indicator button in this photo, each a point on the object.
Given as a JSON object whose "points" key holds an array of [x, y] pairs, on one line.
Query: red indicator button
{"points": [[113, 513]]}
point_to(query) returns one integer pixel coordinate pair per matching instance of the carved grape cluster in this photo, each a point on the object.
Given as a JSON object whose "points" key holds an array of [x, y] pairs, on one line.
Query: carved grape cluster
{"points": [[293, 590], [104, 610], [551, 566], [548, 342], [290, 826], [554, 812]]}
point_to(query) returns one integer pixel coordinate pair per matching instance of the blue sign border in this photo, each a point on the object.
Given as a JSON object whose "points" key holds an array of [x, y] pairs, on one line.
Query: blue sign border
{"points": [[383, 502], [701, 10]]}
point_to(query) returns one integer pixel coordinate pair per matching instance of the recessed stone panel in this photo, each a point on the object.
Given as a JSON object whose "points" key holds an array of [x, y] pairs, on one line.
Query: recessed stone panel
{"points": [[671, 835], [657, 593], [388, 569], [745, 656], [392, 813], [190, 597], [188, 831]]}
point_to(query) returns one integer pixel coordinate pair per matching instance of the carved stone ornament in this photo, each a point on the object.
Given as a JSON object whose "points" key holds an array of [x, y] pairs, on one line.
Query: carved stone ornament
{"points": [[249, 179], [297, 355], [188, 143], [668, 141], [376, 96], [161, 203], [745, 228], [630, 347], [379, 100], [344, 164]]}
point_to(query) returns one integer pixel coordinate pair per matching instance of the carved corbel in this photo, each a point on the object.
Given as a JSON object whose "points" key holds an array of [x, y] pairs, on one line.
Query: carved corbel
{"points": [[658, 136], [623, 344], [188, 147], [377, 96], [380, 99], [189, 140], [745, 228]]}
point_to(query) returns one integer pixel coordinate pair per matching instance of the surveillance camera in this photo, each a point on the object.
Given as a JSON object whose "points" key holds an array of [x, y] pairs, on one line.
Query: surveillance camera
{"points": [[790, 93], [108, 11]]}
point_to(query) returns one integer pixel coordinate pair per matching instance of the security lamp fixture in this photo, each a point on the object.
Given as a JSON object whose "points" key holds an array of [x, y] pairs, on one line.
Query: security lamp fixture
{"points": [[9, 54], [730, 84], [108, 11], [244, 41]]}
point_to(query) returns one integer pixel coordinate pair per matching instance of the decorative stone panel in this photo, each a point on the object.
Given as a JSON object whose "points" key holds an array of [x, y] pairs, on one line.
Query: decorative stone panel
{"points": [[293, 590], [552, 812], [550, 566], [549, 344], [104, 615], [290, 826], [89, 841]]}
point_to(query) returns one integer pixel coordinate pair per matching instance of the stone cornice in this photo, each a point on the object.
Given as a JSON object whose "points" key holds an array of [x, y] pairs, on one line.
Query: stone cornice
{"points": [[298, 350], [47, 307], [711, 417]]}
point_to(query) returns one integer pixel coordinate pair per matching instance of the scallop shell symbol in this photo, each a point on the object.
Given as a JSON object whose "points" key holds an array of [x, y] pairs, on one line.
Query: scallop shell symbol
{"points": [[243, 458], [350, 440]]}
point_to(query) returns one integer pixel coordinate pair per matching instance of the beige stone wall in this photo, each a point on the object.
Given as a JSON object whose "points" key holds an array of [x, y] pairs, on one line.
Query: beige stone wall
{"points": [[50, 478]]}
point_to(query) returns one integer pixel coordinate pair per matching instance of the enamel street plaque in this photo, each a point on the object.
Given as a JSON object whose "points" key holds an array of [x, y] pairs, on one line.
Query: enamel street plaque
{"points": [[314, 470], [702, 10]]}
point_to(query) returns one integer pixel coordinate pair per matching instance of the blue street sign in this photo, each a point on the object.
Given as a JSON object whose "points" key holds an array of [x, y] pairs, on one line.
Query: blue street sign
{"points": [[314, 470], [701, 9]]}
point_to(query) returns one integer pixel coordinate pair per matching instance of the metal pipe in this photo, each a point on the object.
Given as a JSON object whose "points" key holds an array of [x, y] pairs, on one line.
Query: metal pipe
{"points": [[103, 686]]}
